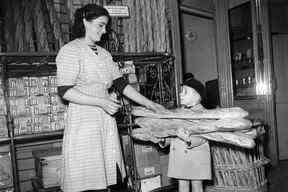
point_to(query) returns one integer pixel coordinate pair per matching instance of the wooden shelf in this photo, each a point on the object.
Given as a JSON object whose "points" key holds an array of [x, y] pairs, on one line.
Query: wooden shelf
{"points": [[53, 135], [4, 141], [6, 188], [18, 65]]}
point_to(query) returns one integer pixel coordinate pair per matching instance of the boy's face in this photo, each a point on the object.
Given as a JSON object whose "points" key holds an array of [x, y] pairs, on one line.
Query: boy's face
{"points": [[189, 97]]}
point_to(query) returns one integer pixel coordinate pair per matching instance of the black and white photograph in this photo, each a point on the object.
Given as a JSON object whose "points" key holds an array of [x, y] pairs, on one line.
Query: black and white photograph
{"points": [[143, 95]]}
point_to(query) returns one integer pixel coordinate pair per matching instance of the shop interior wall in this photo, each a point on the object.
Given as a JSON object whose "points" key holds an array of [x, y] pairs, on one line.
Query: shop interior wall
{"points": [[198, 40], [199, 54], [203, 5], [279, 33]]}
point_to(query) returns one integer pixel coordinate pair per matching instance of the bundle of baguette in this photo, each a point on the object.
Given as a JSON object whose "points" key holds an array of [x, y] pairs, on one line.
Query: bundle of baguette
{"points": [[226, 125], [193, 113]]}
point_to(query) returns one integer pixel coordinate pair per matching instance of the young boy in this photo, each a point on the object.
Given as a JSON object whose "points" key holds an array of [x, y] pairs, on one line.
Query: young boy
{"points": [[190, 163]]}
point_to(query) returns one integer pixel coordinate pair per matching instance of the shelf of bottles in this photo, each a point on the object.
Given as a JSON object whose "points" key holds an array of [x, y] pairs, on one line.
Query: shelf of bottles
{"points": [[242, 54], [244, 82]]}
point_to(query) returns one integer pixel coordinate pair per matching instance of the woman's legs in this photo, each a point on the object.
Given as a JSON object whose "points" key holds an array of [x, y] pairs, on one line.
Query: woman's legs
{"points": [[183, 185], [197, 185]]}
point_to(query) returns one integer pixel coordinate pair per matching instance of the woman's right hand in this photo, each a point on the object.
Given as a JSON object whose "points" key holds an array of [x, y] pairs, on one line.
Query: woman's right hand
{"points": [[157, 108], [110, 105]]}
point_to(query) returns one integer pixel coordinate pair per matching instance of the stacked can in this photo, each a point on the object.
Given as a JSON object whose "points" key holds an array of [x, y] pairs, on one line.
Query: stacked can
{"points": [[35, 105], [3, 125]]}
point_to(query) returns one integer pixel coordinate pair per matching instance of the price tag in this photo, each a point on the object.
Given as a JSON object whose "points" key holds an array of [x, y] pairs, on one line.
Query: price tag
{"points": [[117, 10]]}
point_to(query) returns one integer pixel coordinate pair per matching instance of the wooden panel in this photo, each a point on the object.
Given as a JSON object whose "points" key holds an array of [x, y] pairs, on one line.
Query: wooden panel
{"points": [[278, 18], [25, 164], [280, 60], [26, 175], [267, 76], [282, 127], [26, 186], [223, 53], [4, 148], [205, 5], [176, 41]]}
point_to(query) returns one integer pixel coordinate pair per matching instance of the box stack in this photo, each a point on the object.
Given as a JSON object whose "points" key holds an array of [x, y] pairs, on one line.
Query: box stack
{"points": [[147, 163], [34, 105], [48, 165], [5, 171], [147, 160], [148, 166], [3, 125]]}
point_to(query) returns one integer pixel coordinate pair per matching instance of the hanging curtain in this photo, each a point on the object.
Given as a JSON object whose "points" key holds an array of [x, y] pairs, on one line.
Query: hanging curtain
{"points": [[44, 25], [147, 27]]}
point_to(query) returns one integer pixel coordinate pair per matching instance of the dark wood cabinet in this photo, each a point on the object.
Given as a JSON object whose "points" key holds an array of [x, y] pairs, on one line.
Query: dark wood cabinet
{"points": [[244, 62], [242, 53]]}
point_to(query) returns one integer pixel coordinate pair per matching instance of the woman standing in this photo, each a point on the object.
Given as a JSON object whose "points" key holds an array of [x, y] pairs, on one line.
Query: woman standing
{"points": [[85, 71]]}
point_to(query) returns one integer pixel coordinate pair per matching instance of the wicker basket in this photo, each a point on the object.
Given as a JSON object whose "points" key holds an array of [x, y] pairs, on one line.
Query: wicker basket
{"points": [[238, 169]]}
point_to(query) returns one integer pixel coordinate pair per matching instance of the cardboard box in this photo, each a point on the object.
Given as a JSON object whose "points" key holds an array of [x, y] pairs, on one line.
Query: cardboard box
{"points": [[151, 183], [147, 159], [146, 156], [51, 170], [48, 163], [5, 171]]}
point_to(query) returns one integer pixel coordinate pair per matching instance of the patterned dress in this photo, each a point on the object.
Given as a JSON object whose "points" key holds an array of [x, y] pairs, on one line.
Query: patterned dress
{"points": [[91, 145]]}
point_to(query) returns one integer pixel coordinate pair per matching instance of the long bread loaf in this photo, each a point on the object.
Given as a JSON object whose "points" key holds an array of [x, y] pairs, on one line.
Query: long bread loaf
{"points": [[182, 113]]}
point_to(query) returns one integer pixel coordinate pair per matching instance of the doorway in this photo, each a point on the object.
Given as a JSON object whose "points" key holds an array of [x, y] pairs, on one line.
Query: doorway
{"points": [[198, 46], [280, 60]]}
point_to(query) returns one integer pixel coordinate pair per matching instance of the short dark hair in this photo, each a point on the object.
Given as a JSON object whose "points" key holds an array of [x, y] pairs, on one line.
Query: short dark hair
{"points": [[187, 76], [189, 80], [89, 12]]}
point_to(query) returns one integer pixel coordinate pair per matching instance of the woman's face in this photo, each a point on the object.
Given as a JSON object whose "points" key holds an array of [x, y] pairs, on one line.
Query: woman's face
{"points": [[95, 28]]}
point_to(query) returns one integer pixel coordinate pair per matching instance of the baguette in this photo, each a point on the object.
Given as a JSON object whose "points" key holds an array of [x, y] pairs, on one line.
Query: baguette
{"points": [[182, 113], [170, 126], [234, 138]]}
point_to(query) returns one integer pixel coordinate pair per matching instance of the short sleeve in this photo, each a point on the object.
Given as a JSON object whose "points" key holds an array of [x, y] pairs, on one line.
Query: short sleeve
{"points": [[68, 65]]}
